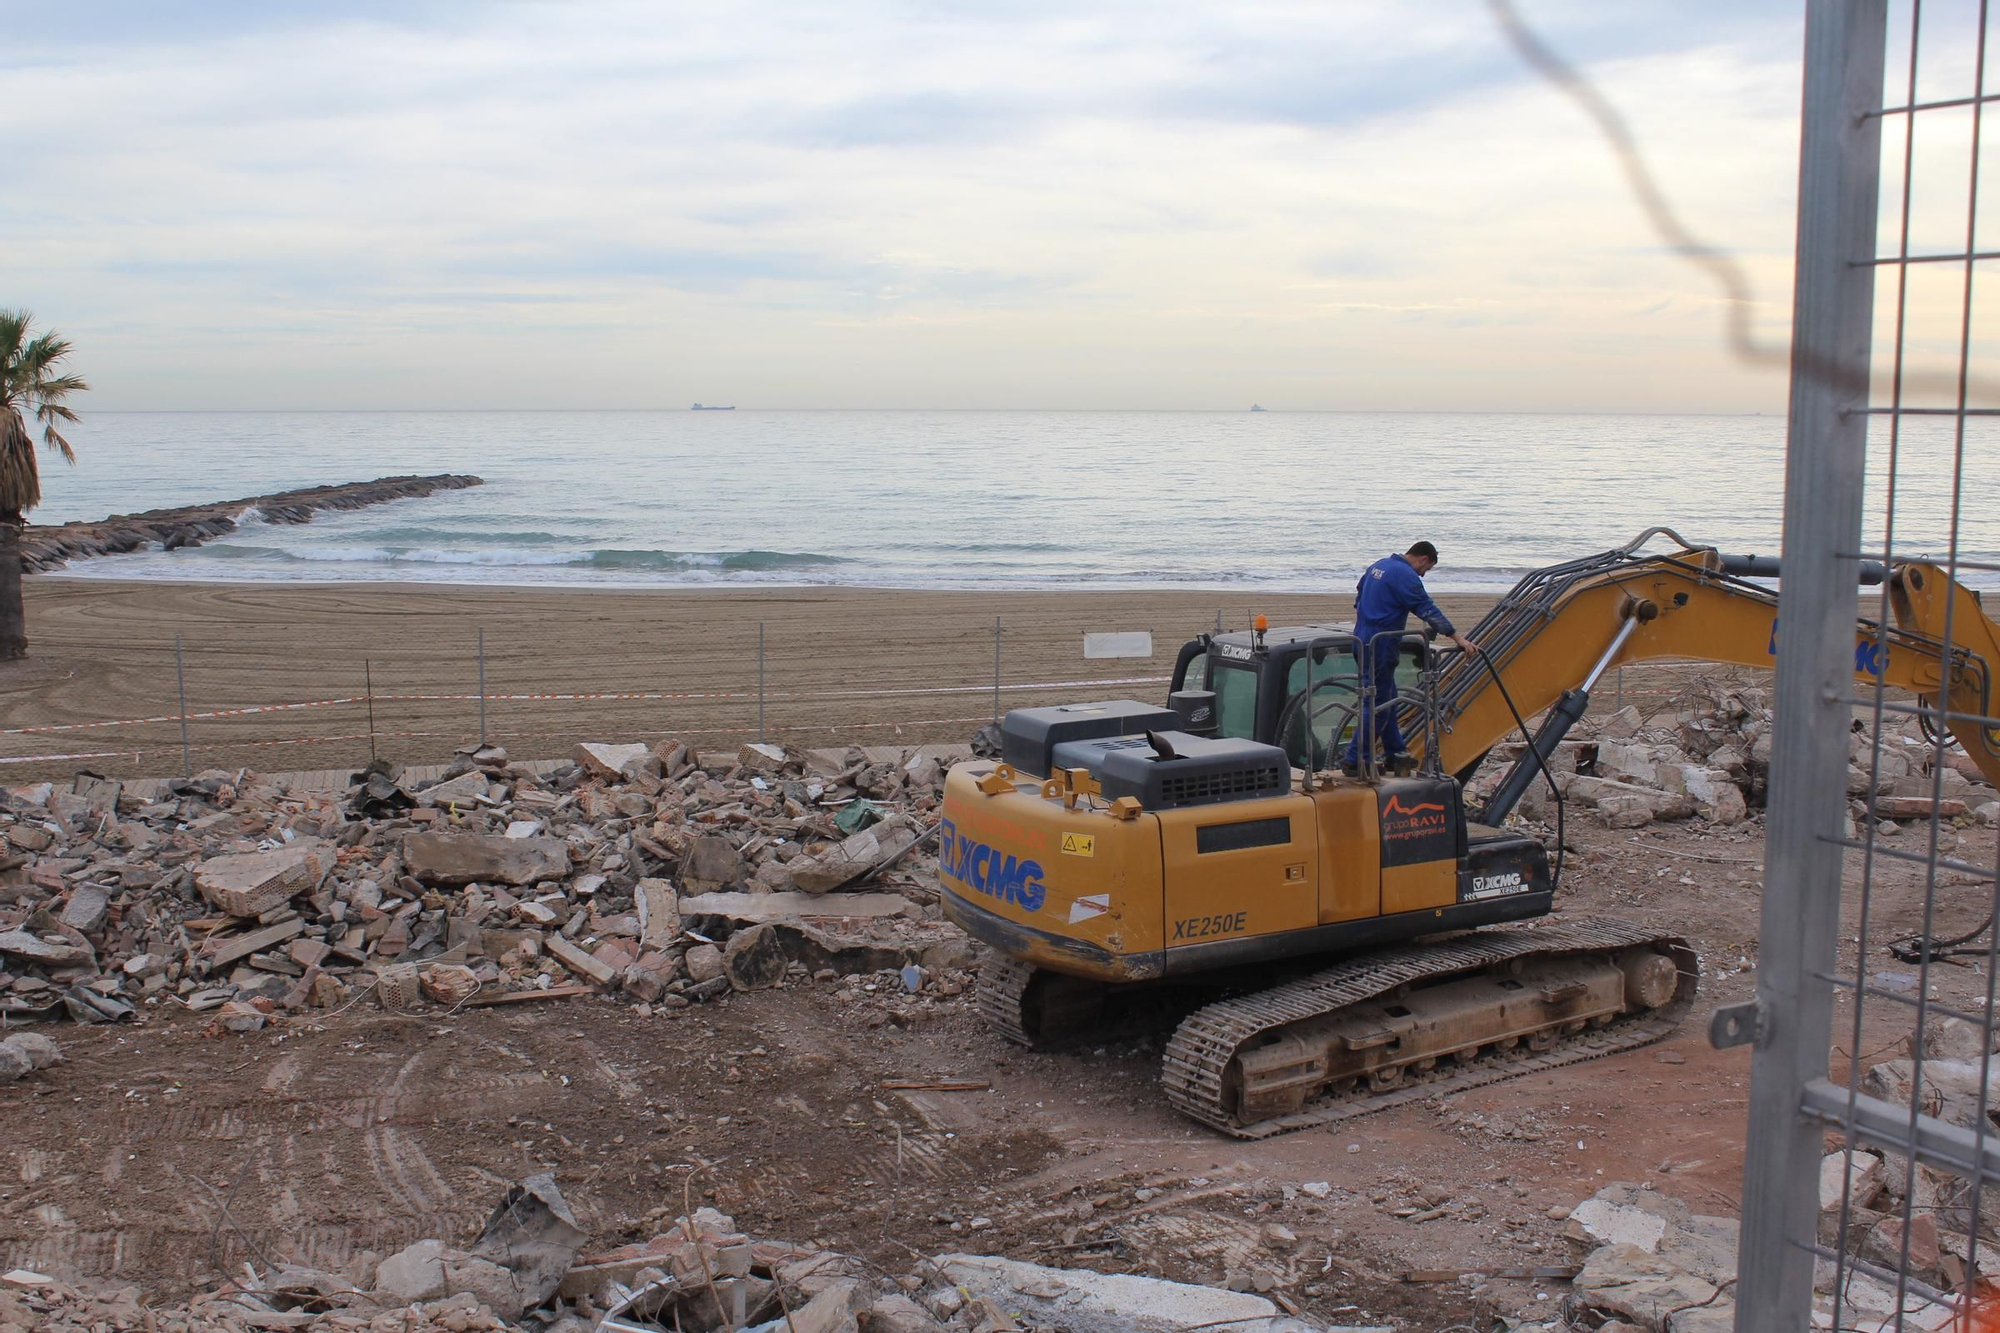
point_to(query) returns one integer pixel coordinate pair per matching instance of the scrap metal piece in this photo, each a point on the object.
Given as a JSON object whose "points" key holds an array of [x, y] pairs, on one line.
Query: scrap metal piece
{"points": [[534, 1235]]}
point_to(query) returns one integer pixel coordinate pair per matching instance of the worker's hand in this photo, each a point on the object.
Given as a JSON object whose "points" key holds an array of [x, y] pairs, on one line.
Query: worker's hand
{"points": [[1466, 644]]}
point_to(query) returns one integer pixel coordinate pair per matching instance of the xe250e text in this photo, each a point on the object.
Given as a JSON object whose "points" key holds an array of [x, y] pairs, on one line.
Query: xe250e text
{"points": [[1200, 927]]}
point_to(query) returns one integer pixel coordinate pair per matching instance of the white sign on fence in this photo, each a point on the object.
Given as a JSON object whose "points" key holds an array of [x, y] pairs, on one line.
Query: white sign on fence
{"points": [[1138, 643]]}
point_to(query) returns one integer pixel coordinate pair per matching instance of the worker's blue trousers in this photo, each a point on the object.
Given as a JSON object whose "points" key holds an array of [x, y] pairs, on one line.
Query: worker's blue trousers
{"points": [[1377, 717]]}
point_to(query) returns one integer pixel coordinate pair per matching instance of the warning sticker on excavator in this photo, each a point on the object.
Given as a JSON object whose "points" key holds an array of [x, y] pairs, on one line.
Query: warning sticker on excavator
{"points": [[1095, 904], [1079, 844]]}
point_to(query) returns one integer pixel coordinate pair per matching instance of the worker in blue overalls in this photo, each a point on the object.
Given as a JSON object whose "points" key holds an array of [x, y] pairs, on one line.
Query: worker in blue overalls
{"points": [[1390, 590]]}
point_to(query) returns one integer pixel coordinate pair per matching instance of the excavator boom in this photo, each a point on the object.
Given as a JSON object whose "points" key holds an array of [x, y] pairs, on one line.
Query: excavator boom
{"points": [[1551, 638]]}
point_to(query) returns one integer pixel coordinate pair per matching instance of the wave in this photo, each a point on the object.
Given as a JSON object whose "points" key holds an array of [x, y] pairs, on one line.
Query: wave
{"points": [[751, 561]]}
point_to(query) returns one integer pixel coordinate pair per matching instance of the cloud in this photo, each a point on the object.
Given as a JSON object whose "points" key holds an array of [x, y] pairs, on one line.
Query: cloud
{"points": [[1168, 204]]}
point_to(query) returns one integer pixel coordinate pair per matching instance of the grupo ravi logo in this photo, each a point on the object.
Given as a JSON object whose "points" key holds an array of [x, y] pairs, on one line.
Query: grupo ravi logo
{"points": [[984, 869], [1411, 821]]}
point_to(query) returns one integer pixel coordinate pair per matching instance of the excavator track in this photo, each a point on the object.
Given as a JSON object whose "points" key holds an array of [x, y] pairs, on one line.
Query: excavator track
{"points": [[1197, 1073], [999, 996]]}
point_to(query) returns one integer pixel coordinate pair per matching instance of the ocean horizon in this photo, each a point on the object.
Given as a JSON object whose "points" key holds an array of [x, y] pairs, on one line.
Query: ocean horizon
{"points": [[966, 498]]}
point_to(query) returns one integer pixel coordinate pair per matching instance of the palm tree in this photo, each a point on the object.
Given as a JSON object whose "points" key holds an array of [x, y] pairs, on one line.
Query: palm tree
{"points": [[28, 386]]}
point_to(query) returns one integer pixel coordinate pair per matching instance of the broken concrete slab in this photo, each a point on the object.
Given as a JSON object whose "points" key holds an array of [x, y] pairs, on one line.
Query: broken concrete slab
{"points": [[579, 961], [658, 908], [466, 858], [1638, 1285], [863, 853], [1085, 1302], [465, 789], [1951, 1091], [54, 950], [222, 949], [413, 1273], [613, 763], [757, 757], [755, 958], [1918, 807], [1715, 794], [1606, 1222], [704, 963], [1623, 724], [87, 907], [712, 862], [756, 908], [1858, 1180], [255, 882]]}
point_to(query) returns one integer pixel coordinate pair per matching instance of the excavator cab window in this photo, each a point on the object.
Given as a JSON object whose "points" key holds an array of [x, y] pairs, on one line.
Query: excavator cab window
{"points": [[1235, 698]]}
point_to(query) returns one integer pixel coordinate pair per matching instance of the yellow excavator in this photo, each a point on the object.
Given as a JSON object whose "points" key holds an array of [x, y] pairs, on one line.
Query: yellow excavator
{"points": [[1337, 930]]}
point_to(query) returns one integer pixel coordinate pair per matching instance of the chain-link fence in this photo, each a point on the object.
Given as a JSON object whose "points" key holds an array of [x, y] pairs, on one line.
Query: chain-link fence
{"points": [[230, 697]]}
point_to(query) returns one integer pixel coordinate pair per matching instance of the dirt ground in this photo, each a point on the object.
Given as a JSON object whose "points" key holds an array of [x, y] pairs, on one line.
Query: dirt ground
{"points": [[163, 1155]]}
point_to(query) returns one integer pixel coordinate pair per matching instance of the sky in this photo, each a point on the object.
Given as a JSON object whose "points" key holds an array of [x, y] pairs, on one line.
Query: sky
{"points": [[1167, 204]]}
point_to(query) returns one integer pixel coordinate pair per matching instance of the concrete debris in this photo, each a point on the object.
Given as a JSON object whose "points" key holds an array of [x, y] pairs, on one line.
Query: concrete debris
{"points": [[1085, 1302], [472, 858], [616, 763], [1707, 756], [25, 1052], [1682, 1282], [628, 871], [252, 885], [856, 857]]}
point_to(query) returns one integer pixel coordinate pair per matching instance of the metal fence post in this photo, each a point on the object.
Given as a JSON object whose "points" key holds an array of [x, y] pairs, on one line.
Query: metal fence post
{"points": [[1218, 620], [482, 685], [181, 685], [368, 690], [760, 682], [1826, 449], [996, 668]]}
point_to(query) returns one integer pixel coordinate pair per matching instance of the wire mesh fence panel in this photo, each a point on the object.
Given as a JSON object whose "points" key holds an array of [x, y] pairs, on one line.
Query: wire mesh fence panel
{"points": [[1868, 1199]]}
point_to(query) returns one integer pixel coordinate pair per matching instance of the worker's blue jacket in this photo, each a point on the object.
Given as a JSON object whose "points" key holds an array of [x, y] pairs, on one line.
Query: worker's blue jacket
{"points": [[1390, 589]]}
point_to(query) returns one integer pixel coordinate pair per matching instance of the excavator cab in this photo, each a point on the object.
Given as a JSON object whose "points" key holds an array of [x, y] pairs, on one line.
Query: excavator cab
{"points": [[1259, 680]]}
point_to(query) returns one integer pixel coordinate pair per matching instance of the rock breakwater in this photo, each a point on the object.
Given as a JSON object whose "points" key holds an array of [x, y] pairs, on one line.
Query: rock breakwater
{"points": [[47, 548]]}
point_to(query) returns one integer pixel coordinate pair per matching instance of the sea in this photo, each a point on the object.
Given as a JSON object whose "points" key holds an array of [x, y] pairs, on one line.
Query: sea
{"points": [[1283, 501]]}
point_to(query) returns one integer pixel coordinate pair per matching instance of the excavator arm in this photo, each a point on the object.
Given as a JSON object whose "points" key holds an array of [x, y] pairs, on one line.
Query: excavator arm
{"points": [[1561, 628]]}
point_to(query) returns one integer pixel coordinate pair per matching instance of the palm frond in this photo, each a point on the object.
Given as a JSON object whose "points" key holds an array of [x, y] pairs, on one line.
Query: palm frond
{"points": [[40, 355], [20, 478], [56, 442], [50, 393], [29, 384], [14, 326]]}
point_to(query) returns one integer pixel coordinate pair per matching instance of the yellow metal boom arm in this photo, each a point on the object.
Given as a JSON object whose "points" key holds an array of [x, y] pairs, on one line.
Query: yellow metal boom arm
{"points": [[1684, 606]]}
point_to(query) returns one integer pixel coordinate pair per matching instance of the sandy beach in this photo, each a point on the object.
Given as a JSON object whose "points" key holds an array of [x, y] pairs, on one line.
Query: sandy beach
{"points": [[853, 664]]}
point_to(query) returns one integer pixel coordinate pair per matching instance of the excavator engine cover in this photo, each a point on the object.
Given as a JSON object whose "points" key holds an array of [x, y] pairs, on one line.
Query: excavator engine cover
{"points": [[1029, 736], [1194, 770]]}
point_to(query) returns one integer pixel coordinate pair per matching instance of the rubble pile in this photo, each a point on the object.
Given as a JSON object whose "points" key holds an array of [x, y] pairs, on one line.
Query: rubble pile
{"points": [[658, 873], [531, 1267], [1708, 757], [1650, 1263]]}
